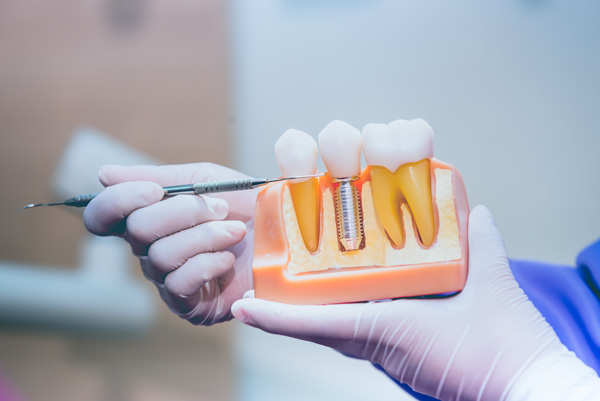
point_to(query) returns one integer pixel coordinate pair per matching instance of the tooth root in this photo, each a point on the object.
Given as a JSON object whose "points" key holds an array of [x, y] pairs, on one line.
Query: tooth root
{"points": [[386, 200], [414, 180], [306, 197]]}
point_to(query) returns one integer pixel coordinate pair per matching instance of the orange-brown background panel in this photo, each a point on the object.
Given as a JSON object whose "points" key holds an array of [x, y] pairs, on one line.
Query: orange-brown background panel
{"points": [[152, 74]]}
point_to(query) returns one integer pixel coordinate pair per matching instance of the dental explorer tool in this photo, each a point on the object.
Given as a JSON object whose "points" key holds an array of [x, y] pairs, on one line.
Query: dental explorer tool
{"points": [[200, 188]]}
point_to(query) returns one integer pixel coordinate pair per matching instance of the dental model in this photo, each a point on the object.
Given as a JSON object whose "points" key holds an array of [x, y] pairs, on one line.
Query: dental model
{"points": [[396, 229]]}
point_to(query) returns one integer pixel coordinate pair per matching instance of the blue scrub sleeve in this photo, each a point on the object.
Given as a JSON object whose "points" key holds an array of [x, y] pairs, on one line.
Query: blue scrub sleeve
{"points": [[569, 300]]}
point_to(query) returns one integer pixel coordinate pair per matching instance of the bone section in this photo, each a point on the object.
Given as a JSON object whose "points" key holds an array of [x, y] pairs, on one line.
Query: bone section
{"points": [[296, 154], [398, 154], [379, 251], [340, 149]]}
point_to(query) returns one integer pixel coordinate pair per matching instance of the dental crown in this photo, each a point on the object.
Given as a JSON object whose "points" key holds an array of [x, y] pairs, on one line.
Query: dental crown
{"points": [[296, 154], [397, 143]]}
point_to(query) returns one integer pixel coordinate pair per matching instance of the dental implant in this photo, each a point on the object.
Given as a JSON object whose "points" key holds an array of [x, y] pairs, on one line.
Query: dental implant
{"points": [[340, 145], [348, 214]]}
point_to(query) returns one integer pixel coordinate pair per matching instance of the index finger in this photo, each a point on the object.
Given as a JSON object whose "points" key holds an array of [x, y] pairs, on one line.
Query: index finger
{"points": [[105, 215], [166, 175], [318, 323]]}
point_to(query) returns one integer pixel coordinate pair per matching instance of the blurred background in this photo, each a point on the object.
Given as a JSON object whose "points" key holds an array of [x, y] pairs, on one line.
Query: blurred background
{"points": [[511, 89]]}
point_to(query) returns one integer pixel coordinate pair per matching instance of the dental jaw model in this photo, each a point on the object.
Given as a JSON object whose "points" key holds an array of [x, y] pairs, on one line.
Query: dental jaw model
{"points": [[396, 229]]}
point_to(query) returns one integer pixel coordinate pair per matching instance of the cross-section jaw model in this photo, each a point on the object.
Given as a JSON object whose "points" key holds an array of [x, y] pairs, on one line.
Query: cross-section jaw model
{"points": [[396, 229]]}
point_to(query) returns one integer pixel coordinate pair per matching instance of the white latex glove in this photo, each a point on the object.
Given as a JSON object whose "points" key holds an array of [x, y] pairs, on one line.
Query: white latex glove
{"points": [[197, 250], [487, 343]]}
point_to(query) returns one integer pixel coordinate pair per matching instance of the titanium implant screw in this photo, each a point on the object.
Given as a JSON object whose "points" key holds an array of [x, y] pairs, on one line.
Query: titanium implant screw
{"points": [[348, 214]]}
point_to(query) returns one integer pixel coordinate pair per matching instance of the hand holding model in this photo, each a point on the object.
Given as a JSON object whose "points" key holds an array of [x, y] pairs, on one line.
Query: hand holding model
{"points": [[197, 250], [488, 342]]}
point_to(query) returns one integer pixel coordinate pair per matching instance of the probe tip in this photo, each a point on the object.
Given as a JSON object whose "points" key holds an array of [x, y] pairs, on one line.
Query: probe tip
{"points": [[32, 205]]}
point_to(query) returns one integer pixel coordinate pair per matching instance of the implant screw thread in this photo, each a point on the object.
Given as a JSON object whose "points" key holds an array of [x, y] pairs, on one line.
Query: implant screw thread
{"points": [[348, 214]]}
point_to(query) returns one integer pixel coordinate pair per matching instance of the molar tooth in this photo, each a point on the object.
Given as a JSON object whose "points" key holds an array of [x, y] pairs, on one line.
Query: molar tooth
{"points": [[398, 154], [296, 154], [381, 154]]}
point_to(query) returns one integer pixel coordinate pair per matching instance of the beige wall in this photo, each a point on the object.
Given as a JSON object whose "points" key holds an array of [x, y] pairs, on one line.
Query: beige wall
{"points": [[158, 84], [153, 74]]}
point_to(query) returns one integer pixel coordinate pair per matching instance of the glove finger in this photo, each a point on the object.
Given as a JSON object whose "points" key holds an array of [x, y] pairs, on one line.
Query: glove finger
{"points": [[169, 253], [488, 261], [106, 213], [323, 324], [165, 175], [184, 284], [241, 204], [149, 224]]}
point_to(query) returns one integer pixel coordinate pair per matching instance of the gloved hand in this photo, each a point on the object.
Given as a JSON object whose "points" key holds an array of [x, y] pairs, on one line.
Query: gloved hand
{"points": [[197, 250], [487, 343]]}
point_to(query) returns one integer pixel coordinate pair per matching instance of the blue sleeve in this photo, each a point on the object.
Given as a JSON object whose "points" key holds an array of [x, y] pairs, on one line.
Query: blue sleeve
{"points": [[569, 299]]}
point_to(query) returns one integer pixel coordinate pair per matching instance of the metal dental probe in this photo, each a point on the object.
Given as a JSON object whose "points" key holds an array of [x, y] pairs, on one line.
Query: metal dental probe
{"points": [[200, 188]]}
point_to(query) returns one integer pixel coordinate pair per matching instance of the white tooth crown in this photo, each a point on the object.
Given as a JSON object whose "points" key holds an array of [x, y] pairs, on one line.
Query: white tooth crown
{"points": [[340, 145], [296, 154], [397, 143]]}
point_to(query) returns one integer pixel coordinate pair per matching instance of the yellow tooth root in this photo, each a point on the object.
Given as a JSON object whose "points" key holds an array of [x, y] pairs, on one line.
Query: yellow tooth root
{"points": [[414, 180], [306, 197], [386, 199]]}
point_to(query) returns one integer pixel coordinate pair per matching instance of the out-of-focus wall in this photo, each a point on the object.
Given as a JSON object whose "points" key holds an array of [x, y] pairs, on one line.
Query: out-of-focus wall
{"points": [[153, 75], [510, 87]]}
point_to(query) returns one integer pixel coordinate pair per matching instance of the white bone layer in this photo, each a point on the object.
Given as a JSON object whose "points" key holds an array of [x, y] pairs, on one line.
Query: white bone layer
{"points": [[296, 154], [340, 145], [397, 143]]}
